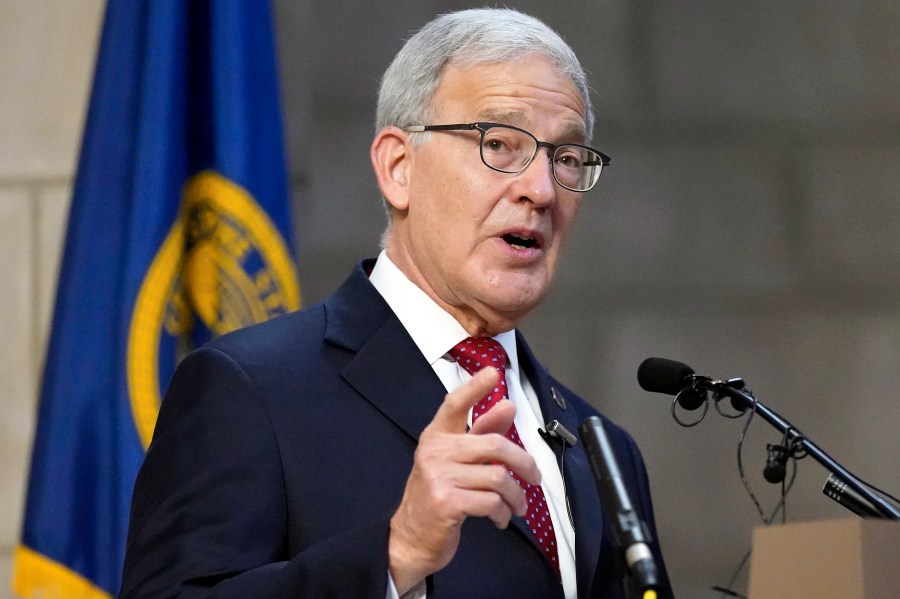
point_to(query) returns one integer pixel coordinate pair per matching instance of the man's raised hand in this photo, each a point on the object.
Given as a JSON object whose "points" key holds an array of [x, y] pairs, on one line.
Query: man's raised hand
{"points": [[455, 475]]}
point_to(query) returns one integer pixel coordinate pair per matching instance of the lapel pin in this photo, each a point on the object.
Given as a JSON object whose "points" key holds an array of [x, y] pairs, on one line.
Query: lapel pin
{"points": [[558, 398]]}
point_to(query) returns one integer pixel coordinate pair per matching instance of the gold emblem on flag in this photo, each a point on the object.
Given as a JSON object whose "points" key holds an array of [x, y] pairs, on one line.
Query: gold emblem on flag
{"points": [[224, 263]]}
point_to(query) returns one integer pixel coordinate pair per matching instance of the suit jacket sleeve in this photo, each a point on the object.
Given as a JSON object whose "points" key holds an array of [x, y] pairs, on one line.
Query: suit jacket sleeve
{"points": [[209, 514]]}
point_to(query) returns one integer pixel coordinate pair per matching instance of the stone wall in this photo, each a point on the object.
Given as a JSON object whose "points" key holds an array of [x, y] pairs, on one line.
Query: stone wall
{"points": [[46, 62]]}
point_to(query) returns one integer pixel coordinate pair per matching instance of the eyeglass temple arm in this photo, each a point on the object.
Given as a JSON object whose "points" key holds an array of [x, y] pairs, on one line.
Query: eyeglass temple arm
{"points": [[604, 160], [455, 127]]}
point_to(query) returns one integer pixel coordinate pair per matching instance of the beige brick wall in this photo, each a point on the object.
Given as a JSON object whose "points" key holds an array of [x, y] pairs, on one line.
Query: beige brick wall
{"points": [[46, 62]]}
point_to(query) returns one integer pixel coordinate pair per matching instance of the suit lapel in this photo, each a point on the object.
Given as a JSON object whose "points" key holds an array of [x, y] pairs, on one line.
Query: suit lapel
{"points": [[392, 374], [386, 368], [581, 491]]}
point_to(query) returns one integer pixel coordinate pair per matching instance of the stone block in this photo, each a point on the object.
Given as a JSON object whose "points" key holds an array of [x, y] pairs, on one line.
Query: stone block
{"points": [[826, 65], [52, 218], [567, 346], [43, 98], [341, 207], [17, 367], [606, 38], [853, 218], [691, 218], [6, 573]]}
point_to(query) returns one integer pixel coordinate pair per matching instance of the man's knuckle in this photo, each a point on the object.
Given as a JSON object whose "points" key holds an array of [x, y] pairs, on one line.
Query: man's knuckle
{"points": [[496, 443], [498, 475]]}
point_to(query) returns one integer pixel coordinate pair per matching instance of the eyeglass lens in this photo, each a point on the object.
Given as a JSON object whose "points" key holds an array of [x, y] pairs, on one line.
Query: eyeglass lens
{"points": [[510, 151]]}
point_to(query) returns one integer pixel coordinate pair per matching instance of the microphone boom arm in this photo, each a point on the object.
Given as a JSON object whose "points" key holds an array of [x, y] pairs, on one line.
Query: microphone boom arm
{"points": [[740, 397]]}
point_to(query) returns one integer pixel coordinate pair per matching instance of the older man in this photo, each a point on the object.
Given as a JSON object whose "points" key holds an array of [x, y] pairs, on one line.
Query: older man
{"points": [[360, 447]]}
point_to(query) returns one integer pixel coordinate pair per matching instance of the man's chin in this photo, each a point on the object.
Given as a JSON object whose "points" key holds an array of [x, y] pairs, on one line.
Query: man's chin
{"points": [[525, 286], [516, 300]]}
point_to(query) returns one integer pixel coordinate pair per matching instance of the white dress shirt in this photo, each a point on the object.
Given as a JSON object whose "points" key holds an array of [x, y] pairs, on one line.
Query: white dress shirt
{"points": [[435, 332]]}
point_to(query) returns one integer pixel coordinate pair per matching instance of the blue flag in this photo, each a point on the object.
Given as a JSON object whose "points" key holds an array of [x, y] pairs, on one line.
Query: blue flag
{"points": [[179, 231]]}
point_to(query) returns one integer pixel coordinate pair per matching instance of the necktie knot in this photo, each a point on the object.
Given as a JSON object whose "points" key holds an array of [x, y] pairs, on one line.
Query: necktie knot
{"points": [[475, 353]]}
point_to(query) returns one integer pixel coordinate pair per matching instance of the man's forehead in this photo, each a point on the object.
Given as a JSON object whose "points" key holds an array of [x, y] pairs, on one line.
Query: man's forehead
{"points": [[508, 91]]}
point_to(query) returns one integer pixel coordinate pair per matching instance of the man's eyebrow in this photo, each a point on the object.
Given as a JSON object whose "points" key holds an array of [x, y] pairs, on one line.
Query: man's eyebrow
{"points": [[514, 118], [576, 131], [571, 130]]}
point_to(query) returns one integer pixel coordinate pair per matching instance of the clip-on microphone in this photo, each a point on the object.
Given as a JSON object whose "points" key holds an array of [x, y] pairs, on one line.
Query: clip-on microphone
{"points": [[554, 430]]}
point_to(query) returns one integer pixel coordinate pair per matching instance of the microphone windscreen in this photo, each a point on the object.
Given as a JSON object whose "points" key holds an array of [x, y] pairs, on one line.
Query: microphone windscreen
{"points": [[660, 375]]}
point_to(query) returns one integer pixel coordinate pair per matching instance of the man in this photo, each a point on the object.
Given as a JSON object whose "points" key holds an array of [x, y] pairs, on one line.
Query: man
{"points": [[335, 452]]}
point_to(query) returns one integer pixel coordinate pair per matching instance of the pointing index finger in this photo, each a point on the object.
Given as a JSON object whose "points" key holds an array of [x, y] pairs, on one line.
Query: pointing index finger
{"points": [[452, 416]]}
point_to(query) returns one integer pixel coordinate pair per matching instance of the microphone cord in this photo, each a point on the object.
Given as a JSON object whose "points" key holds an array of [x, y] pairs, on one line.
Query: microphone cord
{"points": [[780, 506], [740, 461], [785, 488], [767, 520]]}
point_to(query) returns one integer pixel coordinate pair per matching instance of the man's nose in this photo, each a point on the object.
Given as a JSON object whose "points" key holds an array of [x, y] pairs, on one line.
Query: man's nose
{"points": [[536, 182]]}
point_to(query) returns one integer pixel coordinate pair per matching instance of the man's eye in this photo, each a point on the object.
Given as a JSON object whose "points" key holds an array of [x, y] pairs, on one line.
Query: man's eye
{"points": [[495, 145], [569, 160]]}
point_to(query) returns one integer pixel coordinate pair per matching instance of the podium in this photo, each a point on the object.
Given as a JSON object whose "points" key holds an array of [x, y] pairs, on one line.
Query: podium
{"points": [[840, 559]]}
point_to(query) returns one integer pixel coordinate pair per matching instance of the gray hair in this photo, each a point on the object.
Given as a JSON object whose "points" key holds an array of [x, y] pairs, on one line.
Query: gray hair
{"points": [[468, 38]]}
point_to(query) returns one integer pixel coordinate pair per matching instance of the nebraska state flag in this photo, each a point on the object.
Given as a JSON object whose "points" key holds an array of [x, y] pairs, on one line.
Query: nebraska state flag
{"points": [[179, 230]]}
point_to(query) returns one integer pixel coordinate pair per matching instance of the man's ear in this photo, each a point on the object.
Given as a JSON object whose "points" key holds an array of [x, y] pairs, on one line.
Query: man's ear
{"points": [[391, 155]]}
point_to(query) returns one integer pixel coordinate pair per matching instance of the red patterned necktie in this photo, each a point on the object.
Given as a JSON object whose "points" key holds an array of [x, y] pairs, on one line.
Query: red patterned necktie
{"points": [[476, 353]]}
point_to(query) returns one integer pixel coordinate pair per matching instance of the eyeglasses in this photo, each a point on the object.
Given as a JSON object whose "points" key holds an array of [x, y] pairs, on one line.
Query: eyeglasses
{"points": [[508, 149]]}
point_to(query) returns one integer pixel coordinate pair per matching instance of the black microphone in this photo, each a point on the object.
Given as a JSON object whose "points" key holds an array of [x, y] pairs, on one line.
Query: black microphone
{"points": [[776, 463], [659, 375], [850, 499], [627, 527]]}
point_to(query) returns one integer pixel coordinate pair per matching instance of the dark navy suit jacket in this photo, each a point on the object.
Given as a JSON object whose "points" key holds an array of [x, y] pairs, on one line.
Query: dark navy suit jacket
{"points": [[282, 450]]}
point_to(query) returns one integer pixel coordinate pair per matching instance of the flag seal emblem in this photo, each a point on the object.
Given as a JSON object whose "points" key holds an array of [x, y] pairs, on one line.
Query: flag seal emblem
{"points": [[223, 263]]}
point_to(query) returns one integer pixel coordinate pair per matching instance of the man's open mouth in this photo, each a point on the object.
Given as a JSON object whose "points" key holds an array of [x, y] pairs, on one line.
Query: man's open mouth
{"points": [[519, 242]]}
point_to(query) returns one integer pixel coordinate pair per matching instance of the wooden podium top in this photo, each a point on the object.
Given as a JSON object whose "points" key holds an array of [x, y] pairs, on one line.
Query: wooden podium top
{"points": [[839, 559]]}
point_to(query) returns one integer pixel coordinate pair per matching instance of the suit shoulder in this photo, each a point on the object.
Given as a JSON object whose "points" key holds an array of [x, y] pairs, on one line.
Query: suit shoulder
{"points": [[289, 333]]}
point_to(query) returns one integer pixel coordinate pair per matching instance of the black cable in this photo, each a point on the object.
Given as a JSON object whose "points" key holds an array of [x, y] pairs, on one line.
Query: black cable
{"points": [[740, 461], [786, 487], [877, 490], [726, 590]]}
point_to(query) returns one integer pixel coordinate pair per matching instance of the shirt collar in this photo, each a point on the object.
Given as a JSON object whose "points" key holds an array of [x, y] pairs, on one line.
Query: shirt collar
{"points": [[433, 330]]}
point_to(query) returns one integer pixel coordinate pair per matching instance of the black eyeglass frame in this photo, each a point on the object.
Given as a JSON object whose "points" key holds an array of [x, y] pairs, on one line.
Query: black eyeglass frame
{"points": [[482, 127]]}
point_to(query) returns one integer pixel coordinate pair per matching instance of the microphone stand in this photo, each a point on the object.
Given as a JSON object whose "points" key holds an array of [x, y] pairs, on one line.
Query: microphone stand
{"points": [[733, 389], [629, 530]]}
